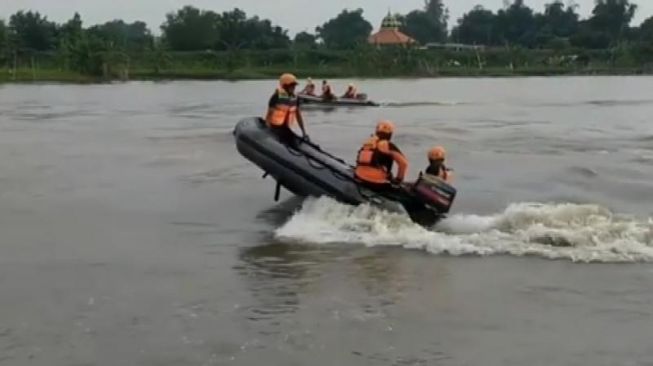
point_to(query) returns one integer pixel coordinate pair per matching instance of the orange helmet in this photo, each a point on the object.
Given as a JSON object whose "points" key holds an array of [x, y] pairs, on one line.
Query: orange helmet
{"points": [[386, 127], [287, 79], [437, 153]]}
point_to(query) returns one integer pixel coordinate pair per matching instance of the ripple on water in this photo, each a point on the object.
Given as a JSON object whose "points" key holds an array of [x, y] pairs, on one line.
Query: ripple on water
{"points": [[618, 102], [583, 172]]}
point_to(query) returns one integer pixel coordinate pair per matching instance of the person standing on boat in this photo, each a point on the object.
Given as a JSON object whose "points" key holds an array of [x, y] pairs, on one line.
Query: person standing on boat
{"points": [[437, 156], [351, 92], [376, 157], [309, 89], [283, 108], [327, 92]]}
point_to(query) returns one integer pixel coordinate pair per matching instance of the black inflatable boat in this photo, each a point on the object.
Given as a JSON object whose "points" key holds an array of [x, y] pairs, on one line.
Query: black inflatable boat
{"points": [[306, 170], [345, 102]]}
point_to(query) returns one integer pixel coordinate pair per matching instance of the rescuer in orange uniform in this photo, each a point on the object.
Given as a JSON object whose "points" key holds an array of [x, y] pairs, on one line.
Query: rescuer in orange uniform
{"points": [[309, 89], [437, 156], [283, 108], [376, 157], [351, 92], [327, 92]]}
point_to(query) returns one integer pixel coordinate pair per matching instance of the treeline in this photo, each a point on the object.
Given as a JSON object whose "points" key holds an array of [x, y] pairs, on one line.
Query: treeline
{"points": [[557, 27], [516, 35]]}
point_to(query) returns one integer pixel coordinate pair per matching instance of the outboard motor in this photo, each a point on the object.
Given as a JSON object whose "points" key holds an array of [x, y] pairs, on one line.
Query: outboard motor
{"points": [[435, 192]]}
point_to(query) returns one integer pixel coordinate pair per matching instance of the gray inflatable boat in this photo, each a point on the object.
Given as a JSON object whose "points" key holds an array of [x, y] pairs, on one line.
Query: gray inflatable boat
{"points": [[304, 169], [338, 102]]}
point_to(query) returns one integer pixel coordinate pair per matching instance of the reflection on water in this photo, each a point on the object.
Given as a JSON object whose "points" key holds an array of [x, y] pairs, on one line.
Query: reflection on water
{"points": [[277, 275]]}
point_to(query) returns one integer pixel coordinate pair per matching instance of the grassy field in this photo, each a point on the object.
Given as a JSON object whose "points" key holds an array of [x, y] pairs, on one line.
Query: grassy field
{"points": [[54, 75], [323, 63]]}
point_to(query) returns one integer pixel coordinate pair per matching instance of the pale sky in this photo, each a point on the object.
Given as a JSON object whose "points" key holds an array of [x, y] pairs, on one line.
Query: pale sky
{"points": [[295, 15]]}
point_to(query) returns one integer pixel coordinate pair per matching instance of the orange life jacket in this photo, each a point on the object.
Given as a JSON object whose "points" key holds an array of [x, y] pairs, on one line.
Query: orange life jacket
{"points": [[371, 165], [284, 113]]}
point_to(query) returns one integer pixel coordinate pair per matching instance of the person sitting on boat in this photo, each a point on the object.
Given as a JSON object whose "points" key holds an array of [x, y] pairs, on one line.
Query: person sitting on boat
{"points": [[351, 92], [309, 89], [327, 92], [283, 108], [376, 157], [437, 156]]}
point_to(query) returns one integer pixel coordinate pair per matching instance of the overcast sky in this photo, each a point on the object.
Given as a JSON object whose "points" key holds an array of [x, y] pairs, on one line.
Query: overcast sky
{"points": [[296, 15]]}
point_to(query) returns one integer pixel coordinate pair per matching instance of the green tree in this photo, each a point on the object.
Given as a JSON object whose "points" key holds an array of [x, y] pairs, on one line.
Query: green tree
{"points": [[305, 40], [562, 22], [237, 31], [190, 29], [645, 31], [232, 29], [588, 37], [71, 35], [476, 27], [3, 38], [516, 24], [556, 24], [262, 35], [347, 30], [557, 20], [612, 17], [608, 25], [642, 49], [124, 36], [429, 24], [159, 58], [73, 29], [30, 30]]}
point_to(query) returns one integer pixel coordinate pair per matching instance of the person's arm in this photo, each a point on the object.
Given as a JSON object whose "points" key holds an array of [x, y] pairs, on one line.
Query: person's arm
{"points": [[271, 104], [300, 121], [450, 175], [397, 156]]}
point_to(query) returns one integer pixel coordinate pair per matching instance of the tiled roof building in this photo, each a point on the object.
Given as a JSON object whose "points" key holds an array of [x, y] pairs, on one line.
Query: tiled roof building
{"points": [[389, 34]]}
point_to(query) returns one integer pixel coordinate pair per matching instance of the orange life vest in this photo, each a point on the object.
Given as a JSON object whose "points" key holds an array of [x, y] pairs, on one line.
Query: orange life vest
{"points": [[284, 113], [371, 165]]}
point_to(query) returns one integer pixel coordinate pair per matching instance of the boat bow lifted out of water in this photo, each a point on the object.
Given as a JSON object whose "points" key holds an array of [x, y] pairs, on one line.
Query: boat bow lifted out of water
{"points": [[305, 169], [360, 101]]}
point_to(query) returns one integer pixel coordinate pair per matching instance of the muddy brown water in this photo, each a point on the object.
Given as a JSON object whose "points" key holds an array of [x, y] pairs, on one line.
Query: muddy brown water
{"points": [[132, 232]]}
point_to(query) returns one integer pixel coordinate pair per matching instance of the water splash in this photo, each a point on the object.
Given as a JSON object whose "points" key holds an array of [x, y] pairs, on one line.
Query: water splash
{"points": [[581, 233]]}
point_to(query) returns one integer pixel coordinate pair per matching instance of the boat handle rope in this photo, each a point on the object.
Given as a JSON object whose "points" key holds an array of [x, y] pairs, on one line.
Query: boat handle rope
{"points": [[309, 160], [318, 148]]}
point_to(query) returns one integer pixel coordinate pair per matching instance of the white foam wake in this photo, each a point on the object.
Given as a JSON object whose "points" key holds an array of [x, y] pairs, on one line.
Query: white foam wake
{"points": [[581, 233]]}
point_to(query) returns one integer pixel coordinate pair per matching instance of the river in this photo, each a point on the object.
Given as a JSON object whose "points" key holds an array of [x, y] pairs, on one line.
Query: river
{"points": [[133, 233]]}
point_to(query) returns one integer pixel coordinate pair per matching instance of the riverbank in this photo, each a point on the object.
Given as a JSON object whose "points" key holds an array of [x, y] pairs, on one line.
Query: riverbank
{"points": [[321, 63], [55, 75]]}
